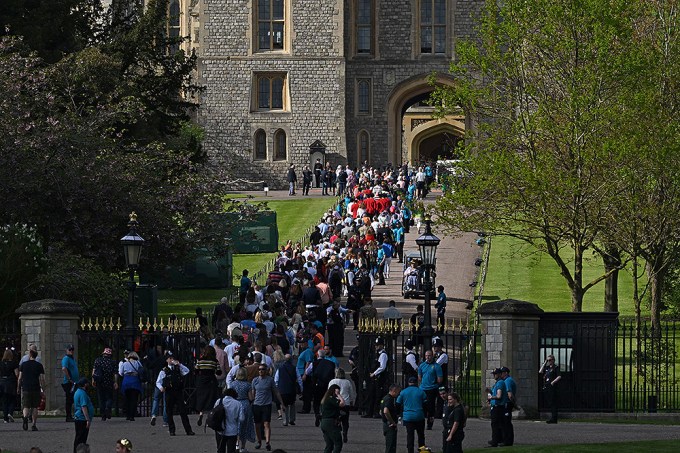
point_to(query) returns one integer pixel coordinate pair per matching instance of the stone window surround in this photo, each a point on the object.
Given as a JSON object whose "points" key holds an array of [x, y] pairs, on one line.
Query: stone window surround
{"points": [[287, 30], [360, 156], [357, 82], [415, 27], [255, 84], [280, 154], [270, 132], [374, 53], [259, 138]]}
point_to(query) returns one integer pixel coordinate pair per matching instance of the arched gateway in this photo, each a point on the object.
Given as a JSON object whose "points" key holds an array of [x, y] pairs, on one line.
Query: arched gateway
{"points": [[412, 134]]}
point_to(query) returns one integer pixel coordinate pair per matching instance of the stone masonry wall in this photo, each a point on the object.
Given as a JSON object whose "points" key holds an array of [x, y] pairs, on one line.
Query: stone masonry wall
{"points": [[322, 73]]}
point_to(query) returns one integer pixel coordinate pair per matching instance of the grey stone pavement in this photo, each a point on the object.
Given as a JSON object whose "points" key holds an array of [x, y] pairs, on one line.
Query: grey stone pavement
{"points": [[455, 270]]}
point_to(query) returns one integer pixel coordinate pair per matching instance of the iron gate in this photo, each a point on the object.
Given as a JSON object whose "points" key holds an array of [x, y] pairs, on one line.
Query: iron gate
{"points": [[147, 339]]}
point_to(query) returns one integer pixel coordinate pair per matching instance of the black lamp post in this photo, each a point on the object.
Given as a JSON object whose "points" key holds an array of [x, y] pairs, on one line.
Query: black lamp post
{"points": [[132, 249], [428, 242]]}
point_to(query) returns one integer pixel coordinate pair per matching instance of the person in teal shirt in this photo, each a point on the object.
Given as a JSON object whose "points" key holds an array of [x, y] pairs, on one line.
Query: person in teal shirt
{"points": [[431, 375], [69, 367], [411, 400], [498, 398], [84, 412]]}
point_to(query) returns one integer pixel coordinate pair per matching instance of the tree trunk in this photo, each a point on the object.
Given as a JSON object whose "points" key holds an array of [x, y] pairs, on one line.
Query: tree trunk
{"points": [[612, 262], [656, 273], [577, 286]]}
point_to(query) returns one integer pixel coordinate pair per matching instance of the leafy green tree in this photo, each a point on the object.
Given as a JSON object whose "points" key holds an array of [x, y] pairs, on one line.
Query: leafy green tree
{"points": [[104, 131], [543, 84]]}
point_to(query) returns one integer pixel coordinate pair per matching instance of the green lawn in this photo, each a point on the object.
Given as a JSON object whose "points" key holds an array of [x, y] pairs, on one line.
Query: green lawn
{"points": [[517, 273], [651, 445], [294, 217]]}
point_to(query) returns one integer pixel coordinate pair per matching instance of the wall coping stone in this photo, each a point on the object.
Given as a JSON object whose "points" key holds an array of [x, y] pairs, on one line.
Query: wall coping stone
{"points": [[510, 306], [49, 306]]}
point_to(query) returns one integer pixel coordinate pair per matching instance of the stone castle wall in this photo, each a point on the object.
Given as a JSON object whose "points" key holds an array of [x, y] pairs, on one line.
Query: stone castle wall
{"points": [[322, 73]]}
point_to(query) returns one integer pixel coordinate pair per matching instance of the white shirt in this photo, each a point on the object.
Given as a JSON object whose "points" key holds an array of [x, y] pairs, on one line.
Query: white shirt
{"points": [[161, 376], [347, 390], [411, 359], [382, 360]]}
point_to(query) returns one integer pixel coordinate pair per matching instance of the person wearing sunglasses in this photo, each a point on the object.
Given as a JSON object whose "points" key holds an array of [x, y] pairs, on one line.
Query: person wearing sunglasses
{"points": [[551, 376]]}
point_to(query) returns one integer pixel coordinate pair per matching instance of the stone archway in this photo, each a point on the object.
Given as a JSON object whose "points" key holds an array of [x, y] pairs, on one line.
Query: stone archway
{"points": [[400, 99], [425, 141]]}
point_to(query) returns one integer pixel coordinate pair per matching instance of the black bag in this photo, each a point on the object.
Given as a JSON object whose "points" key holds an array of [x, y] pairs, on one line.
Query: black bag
{"points": [[216, 417]]}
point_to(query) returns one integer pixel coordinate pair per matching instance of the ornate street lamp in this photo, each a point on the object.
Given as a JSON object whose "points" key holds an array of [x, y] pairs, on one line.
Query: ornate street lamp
{"points": [[132, 249], [428, 243]]}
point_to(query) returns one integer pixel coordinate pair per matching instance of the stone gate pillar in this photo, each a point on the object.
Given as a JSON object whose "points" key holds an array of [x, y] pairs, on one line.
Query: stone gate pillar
{"points": [[51, 325], [510, 338]]}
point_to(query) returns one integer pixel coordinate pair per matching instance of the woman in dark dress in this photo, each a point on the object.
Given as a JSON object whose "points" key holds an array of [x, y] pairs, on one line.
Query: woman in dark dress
{"points": [[331, 403], [207, 370]]}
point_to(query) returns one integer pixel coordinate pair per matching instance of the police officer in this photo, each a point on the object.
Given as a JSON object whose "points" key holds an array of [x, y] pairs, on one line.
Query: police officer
{"points": [[511, 388], [498, 398], [551, 376], [377, 380], [442, 358], [410, 364], [171, 382], [390, 416]]}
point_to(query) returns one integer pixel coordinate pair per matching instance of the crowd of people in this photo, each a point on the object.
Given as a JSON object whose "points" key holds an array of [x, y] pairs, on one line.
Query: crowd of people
{"points": [[283, 339]]}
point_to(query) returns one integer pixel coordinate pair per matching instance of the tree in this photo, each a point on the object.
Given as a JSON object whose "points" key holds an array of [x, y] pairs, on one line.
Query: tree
{"points": [[544, 83], [104, 131]]}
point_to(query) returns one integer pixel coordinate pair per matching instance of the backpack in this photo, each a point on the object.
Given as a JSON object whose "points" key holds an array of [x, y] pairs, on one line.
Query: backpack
{"points": [[216, 417]]}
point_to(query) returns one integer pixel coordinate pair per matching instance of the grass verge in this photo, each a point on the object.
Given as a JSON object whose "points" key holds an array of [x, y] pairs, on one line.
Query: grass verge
{"points": [[516, 271], [293, 218]]}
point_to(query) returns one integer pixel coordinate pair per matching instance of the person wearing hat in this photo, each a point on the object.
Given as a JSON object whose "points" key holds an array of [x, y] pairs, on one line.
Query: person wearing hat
{"points": [[83, 412], [511, 389], [410, 363], [377, 380], [69, 367], [105, 380], [171, 382], [292, 179], [442, 358], [412, 400], [498, 398]]}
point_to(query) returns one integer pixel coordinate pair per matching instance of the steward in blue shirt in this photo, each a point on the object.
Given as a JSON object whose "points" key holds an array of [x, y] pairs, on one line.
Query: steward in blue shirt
{"points": [[511, 389], [431, 376], [84, 412], [412, 399], [498, 398]]}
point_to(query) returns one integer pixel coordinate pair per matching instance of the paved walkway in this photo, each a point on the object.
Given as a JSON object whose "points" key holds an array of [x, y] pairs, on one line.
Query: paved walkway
{"points": [[455, 270], [365, 435]]}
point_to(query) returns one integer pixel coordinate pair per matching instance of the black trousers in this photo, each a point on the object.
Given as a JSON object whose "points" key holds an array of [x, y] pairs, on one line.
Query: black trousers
{"points": [[336, 337], [507, 428], [376, 390], [390, 438], [430, 404], [172, 398], [417, 428], [131, 399], [68, 405], [456, 444], [551, 400], [307, 394], [81, 434], [225, 444], [497, 425]]}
